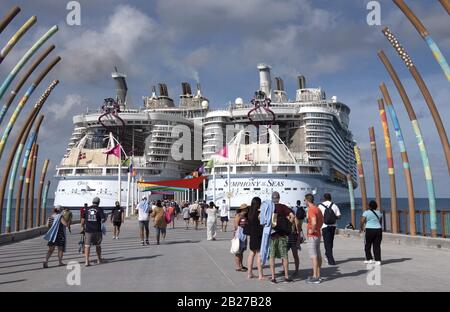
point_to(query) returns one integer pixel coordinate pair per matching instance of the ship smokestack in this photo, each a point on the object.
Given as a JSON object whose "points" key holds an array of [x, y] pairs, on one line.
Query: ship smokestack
{"points": [[121, 86], [163, 89], [279, 84], [264, 79], [301, 82]]}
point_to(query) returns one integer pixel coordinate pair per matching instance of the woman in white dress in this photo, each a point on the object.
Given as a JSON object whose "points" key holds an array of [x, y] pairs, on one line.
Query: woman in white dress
{"points": [[211, 226]]}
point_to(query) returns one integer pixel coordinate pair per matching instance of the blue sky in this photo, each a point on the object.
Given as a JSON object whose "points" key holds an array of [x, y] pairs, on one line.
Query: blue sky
{"points": [[220, 42]]}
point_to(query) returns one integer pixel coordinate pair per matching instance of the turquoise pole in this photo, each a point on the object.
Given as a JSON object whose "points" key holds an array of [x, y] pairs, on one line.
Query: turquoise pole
{"points": [[44, 202]]}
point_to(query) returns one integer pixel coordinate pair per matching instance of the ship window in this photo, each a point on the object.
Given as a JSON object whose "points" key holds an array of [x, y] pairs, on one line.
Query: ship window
{"points": [[246, 189], [63, 190], [294, 188], [287, 188], [220, 189], [302, 188], [257, 189]]}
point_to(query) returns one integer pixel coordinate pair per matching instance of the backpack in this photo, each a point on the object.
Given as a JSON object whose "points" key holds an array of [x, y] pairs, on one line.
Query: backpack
{"points": [[168, 217], [329, 217], [281, 224], [300, 213]]}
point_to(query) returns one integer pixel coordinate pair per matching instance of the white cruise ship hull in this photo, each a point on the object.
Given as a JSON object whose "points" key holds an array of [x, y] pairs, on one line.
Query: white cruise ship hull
{"points": [[292, 187]]}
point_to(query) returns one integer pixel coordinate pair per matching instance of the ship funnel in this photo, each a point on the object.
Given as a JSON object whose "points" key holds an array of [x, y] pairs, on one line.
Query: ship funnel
{"points": [[301, 82], [163, 89], [186, 88], [121, 86], [264, 79], [279, 84]]}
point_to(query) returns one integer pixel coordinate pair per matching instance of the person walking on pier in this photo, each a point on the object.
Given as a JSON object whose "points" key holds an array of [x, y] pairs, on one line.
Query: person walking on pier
{"points": [[255, 232], [194, 212], [143, 212], [240, 222], [117, 218], [296, 236], [186, 216], [224, 215], [282, 218], [211, 222], [56, 236], [331, 214], [93, 218], [67, 215], [159, 221], [371, 223], [315, 222]]}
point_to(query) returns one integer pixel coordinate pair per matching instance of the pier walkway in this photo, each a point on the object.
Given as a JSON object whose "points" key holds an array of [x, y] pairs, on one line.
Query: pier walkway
{"points": [[186, 261]]}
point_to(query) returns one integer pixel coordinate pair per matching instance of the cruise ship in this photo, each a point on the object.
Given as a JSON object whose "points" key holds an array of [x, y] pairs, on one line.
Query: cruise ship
{"points": [[272, 143], [146, 137]]}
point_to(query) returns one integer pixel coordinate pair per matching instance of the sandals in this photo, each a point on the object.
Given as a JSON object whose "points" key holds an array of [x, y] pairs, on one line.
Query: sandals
{"points": [[243, 269]]}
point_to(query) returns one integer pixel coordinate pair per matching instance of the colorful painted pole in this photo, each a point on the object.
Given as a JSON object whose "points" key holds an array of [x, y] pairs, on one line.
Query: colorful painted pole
{"points": [[22, 103], [426, 36], [352, 199], [27, 189], [24, 131], [32, 184], [419, 137], [390, 163], [24, 59], [446, 5], [41, 186], [44, 202], [424, 90], [405, 160], [8, 18], [362, 180], [22, 81], [16, 37], [12, 177], [376, 171]]}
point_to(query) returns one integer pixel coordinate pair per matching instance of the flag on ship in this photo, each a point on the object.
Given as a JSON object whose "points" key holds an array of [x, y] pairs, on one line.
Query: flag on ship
{"points": [[114, 151]]}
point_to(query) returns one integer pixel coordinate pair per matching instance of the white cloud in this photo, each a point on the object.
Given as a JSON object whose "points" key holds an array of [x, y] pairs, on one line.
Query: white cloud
{"points": [[62, 110]]}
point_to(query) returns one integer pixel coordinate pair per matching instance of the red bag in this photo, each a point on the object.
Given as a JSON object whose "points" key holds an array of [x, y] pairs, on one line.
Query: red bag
{"points": [[168, 217]]}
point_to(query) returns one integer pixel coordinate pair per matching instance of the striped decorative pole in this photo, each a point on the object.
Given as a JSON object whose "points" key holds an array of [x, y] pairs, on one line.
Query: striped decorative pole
{"points": [[376, 171], [362, 180], [424, 90], [405, 160], [16, 37], [426, 36], [423, 151], [12, 177], [390, 163], [23, 60], [23, 79], [32, 184], [22, 103], [26, 197], [8, 18], [446, 5], [352, 199], [41, 186], [44, 203], [24, 131]]}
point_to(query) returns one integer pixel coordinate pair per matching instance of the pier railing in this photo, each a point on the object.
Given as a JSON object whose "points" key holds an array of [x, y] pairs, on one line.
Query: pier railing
{"points": [[422, 220]]}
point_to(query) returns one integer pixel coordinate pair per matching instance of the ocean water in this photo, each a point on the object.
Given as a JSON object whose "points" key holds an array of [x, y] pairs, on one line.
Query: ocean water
{"points": [[421, 204]]}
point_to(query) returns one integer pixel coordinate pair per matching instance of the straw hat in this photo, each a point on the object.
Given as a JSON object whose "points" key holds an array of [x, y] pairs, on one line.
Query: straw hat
{"points": [[243, 207]]}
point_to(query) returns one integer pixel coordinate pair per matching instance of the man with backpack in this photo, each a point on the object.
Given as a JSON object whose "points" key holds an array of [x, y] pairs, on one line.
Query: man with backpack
{"points": [[331, 214], [92, 220], [296, 237]]}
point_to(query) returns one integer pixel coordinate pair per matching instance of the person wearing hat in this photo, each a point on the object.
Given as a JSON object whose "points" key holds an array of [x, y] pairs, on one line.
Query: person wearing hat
{"points": [[92, 220], [211, 226], [240, 221]]}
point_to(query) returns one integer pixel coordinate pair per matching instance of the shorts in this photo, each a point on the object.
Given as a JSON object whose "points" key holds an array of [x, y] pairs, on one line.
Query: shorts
{"points": [[278, 247], [186, 219], [224, 219], [117, 223], [93, 239], [159, 230], [143, 225], [293, 241], [314, 247]]}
